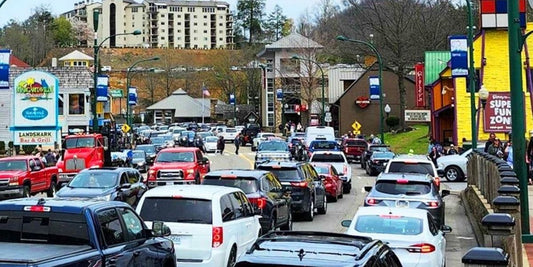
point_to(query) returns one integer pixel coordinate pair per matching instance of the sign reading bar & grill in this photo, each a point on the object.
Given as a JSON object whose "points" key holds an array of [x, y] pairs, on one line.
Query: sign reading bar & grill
{"points": [[418, 115], [45, 137], [497, 113]]}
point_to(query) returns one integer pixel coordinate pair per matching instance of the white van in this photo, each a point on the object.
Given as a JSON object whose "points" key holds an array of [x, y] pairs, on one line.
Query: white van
{"points": [[323, 132], [210, 225]]}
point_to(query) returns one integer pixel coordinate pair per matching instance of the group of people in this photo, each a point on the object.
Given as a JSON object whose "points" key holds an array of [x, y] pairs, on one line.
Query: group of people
{"points": [[221, 144], [291, 127], [436, 150]]}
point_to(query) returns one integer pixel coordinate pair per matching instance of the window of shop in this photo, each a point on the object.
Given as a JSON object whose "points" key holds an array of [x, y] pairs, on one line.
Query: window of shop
{"points": [[76, 104]]}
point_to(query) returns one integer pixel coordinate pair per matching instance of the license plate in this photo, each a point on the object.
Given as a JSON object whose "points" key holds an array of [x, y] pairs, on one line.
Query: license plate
{"points": [[402, 203], [175, 238]]}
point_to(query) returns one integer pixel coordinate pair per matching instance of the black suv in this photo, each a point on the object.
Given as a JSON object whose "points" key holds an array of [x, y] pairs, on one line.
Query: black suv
{"points": [[317, 249], [370, 149], [307, 189], [412, 190], [263, 190]]}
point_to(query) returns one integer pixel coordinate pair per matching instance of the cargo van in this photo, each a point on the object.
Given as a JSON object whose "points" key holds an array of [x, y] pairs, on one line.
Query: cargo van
{"points": [[321, 132]]}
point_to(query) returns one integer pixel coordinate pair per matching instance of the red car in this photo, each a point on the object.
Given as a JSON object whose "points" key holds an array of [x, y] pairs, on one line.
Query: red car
{"points": [[179, 165], [353, 148], [332, 182]]}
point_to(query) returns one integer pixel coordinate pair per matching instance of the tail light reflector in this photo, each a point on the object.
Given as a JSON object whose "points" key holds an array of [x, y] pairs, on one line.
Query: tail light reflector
{"points": [[371, 201], [299, 184], [402, 181], [433, 204], [217, 237], [437, 181], [421, 248], [37, 208], [259, 202]]}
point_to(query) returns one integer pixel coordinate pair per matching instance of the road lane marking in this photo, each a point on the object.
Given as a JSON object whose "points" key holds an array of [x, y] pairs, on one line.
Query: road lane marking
{"points": [[247, 159]]}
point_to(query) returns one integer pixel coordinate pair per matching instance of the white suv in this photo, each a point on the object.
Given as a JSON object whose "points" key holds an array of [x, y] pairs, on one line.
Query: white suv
{"points": [[228, 134], [407, 163], [338, 160], [210, 225]]}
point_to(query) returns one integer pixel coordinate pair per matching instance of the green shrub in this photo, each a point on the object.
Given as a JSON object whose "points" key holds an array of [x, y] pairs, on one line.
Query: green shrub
{"points": [[392, 121]]}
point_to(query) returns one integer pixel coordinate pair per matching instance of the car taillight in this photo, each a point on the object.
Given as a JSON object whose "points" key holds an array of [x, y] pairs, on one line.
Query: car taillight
{"points": [[402, 181], [371, 201], [432, 204], [421, 248], [37, 208], [217, 237], [299, 184], [346, 150], [437, 181], [259, 202]]}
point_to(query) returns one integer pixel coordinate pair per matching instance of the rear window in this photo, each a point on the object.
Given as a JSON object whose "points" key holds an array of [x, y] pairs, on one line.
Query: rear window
{"points": [[389, 224], [356, 143], [284, 174], [423, 168], [182, 210], [322, 169], [43, 227], [246, 184], [379, 148], [324, 145], [401, 188], [231, 130], [327, 158], [273, 146]]}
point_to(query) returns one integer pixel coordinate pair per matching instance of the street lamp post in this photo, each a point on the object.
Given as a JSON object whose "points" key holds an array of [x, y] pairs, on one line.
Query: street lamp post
{"points": [[380, 72], [128, 81], [387, 111], [97, 46], [471, 84], [323, 82]]}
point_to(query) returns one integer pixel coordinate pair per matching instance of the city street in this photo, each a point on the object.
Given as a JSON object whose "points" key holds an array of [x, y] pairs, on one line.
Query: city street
{"points": [[459, 241]]}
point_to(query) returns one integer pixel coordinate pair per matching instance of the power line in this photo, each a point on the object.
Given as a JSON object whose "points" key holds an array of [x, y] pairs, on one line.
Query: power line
{"points": [[2, 3]]}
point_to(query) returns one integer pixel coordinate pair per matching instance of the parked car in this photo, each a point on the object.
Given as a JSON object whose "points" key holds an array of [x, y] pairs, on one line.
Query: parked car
{"points": [[138, 160], [412, 233], [377, 162], [275, 150], [307, 190], [412, 190], [369, 150], [177, 166], [293, 248], [210, 144], [263, 190], [332, 182], [58, 232], [210, 225], [339, 161], [120, 184], [260, 137], [150, 151], [453, 167], [24, 176], [353, 148]]}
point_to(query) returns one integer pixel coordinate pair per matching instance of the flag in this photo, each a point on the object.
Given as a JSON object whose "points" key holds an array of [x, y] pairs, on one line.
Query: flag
{"points": [[205, 91]]}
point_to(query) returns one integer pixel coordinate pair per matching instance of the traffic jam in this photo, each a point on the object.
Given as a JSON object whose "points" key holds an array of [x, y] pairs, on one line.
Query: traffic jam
{"points": [[161, 204]]}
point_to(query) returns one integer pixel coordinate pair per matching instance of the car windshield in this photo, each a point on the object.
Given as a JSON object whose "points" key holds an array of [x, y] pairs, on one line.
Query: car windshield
{"points": [[211, 139], [138, 154], [204, 134], [178, 130], [189, 134], [418, 167], [389, 224], [356, 143], [13, 165], [273, 146], [157, 140], [185, 210], [283, 174], [267, 135], [100, 179], [383, 155], [231, 130], [327, 158], [175, 157], [246, 184], [147, 149], [79, 142], [402, 187], [322, 169], [324, 145], [379, 148]]}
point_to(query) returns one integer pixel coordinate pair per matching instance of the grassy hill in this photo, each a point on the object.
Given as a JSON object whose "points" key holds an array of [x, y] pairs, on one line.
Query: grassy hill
{"points": [[417, 139]]}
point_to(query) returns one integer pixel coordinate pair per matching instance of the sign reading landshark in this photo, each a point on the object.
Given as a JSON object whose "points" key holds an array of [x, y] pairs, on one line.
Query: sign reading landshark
{"points": [[35, 100]]}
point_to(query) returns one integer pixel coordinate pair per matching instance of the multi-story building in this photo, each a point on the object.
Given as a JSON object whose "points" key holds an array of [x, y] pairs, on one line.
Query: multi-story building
{"points": [[163, 23]]}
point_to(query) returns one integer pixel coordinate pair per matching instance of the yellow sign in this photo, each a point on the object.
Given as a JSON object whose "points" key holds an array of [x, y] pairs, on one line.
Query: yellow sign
{"points": [[125, 128], [356, 126]]}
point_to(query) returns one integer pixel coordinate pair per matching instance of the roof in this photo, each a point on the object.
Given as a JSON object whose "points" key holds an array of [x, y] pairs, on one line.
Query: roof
{"points": [[188, 3], [377, 210], [293, 40], [16, 62], [179, 149], [281, 164], [393, 176], [66, 205], [423, 158], [434, 63], [75, 55], [238, 173], [183, 105], [18, 157], [190, 191]]}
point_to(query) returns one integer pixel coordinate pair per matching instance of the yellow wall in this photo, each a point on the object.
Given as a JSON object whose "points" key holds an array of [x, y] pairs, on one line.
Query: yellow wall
{"points": [[495, 79]]}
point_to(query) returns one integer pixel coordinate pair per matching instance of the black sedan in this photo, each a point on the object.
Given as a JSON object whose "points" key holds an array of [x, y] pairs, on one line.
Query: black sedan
{"points": [[412, 190], [150, 151], [121, 184], [377, 162], [138, 160], [263, 190]]}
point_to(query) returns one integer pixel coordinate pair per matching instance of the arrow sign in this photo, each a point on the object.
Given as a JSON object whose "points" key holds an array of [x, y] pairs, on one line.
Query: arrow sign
{"points": [[356, 126], [126, 128]]}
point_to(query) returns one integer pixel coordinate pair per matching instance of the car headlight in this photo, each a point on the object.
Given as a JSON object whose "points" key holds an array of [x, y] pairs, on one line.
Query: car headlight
{"points": [[151, 172], [14, 181], [190, 171], [141, 163], [59, 170], [103, 198]]}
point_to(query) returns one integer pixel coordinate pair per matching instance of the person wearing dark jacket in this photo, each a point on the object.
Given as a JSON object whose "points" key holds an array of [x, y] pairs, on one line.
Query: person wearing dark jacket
{"points": [[237, 143], [489, 142], [221, 145]]}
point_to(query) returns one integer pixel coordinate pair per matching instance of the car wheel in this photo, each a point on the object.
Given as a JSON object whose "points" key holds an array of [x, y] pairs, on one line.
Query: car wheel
{"points": [[288, 225], [324, 207], [367, 170], [310, 214], [232, 257], [335, 197], [454, 174], [52, 190], [341, 195], [197, 179], [347, 189], [26, 192]]}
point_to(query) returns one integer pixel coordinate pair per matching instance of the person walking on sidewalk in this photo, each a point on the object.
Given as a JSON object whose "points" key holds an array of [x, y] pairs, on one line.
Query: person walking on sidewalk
{"points": [[237, 143], [221, 145]]}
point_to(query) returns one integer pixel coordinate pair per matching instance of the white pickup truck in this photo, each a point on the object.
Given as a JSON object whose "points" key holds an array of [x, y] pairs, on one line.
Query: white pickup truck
{"points": [[260, 138], [339, 162], [228, 134]]}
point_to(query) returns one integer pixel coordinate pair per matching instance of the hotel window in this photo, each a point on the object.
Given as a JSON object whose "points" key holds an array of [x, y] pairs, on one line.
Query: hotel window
{"points": [[76, 104]]}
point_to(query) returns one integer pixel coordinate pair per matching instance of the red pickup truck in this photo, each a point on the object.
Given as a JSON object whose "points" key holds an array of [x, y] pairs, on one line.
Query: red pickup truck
{"points": [[353, 148], [178, 165], [24, 176]]}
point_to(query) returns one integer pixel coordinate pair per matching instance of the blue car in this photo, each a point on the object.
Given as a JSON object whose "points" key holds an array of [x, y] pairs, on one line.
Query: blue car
{"points": [[323, 145]]}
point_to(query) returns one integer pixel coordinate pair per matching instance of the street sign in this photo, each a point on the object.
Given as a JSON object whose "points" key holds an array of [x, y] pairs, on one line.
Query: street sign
{"points": [[328, 114], [326, 109], [117, 93], [125, 128], [327, 119], [356, 126]]}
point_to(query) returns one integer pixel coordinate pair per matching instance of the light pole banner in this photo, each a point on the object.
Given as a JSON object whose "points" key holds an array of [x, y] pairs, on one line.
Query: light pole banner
{"points": [[459, 55], [374, 87], [232, 99], [101, 88], [35, 100], [419, 85], [132, 96], [279, 94], [497, 113], [4, 68]]}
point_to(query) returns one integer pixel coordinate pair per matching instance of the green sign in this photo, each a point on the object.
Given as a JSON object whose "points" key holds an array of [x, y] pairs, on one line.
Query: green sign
{"points": [[117, 93]]}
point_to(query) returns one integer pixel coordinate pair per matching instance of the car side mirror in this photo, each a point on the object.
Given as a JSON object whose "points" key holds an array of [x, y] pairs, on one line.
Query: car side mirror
{"points": [[445, 193], [368, 188], [36, 168], [125, 186], [159, 229], [205, 160], [440, 173], [346, 223], [446, 229]]}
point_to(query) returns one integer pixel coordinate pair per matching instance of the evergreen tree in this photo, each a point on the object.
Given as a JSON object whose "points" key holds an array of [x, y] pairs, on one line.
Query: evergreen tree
{"points": [[250, 14]]}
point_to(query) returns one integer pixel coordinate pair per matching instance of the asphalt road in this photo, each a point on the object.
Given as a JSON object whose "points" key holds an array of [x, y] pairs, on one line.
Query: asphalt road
{"points": [[459, 241]]}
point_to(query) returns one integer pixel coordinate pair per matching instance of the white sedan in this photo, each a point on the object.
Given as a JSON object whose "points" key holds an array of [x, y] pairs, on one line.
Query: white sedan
{"points": [[210, 144], [411, 233], [260, 138], [454, 166]]}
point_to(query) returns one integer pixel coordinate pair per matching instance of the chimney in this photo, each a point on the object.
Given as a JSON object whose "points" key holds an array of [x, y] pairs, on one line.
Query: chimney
{"points": [[54, 62]]}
